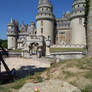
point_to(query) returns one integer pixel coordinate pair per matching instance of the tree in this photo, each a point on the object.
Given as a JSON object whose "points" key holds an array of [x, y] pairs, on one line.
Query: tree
{"points": [[89, 26], [3, 43]]}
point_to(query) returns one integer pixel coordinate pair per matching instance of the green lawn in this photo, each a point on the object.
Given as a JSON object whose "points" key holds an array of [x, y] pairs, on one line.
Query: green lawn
{"points": [[52, 50], [16, 50]]}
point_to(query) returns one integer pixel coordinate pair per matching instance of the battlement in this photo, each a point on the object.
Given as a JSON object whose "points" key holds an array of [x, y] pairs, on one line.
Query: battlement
{"points": [[78, 9], [44, 16]]}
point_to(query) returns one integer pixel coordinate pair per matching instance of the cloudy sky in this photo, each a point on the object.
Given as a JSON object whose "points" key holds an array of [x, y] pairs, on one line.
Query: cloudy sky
{"points": [[25, 10]]}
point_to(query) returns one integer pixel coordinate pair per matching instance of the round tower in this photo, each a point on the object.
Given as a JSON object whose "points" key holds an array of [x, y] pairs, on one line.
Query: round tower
{"points": [[12, 35], [45, 20], [77, 23]]}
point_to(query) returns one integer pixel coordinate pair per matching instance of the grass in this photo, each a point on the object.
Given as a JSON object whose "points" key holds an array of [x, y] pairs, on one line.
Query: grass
{"points": [[16, 50], [81, 64], [88, 75], [18, 83], [68, 74], [39, 78], [3, 89], [88, 88], [52, 50]]}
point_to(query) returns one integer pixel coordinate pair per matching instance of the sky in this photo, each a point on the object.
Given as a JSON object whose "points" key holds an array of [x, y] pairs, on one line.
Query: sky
{"points": [[26, 10]]}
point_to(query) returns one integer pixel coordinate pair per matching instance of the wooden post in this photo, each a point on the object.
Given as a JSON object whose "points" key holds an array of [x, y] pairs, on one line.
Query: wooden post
{"points": [[0, 66], [3, 62]]}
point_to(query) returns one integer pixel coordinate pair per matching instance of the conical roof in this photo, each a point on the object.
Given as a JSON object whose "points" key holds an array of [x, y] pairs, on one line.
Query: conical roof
{"points": [[12, 21]]}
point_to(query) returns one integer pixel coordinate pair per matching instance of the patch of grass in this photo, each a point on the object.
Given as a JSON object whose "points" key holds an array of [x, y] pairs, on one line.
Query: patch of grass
{"points": [[3, 89], [88, 88], [88, 75], [68, 74], [84, 63], [18, 84], [16, 50], [84, 90], [52, 50], [39, 78]]}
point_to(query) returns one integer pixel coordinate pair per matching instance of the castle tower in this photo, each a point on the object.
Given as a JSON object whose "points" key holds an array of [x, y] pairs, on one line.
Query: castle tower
{"points": [[12, 35], [77, 23], [45, 20]]}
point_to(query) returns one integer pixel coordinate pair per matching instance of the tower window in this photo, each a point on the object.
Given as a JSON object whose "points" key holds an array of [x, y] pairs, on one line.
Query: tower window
{"points": [[42, 9], [41, 23], [41, 30], [84, 5], [78, 5], [48, 37], [80, 20], [35, 32]]}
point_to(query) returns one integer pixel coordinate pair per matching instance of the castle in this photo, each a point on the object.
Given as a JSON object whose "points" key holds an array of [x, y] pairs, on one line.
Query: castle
{"points": [[67, 30]]}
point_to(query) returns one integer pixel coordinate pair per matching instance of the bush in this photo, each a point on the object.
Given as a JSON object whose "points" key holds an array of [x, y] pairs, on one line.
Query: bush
{"points": [[3, 43]]}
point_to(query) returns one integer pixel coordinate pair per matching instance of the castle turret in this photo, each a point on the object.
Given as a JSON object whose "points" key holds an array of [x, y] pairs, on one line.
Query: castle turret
{"points": [[77, 23], [12, 34], [45, 20]]}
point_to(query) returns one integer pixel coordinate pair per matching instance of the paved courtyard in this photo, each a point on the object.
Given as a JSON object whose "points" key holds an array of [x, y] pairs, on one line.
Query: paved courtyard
{"points": [[17, 63]]}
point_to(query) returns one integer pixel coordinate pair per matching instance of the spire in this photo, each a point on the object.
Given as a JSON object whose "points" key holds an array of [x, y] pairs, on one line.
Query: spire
{"points": [[12, 21]]}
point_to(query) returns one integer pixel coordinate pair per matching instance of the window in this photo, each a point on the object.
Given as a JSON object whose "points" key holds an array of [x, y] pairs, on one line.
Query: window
{"points": [[83, 5], [42, 9], [80, 20], [48, 37], [41, 30], [62, 32], [80, 11], [35, 32], [41, 23]]}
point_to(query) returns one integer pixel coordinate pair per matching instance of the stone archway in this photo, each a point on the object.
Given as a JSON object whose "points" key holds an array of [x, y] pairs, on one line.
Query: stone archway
{"points": [[33, 48]]}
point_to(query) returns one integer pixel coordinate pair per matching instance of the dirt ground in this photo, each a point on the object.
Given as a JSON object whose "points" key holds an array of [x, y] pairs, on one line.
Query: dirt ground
{"points": [[17, 63]]}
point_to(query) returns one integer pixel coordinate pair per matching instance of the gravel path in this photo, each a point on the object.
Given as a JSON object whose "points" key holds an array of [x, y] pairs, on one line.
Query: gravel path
{"points": [[17, 63]]}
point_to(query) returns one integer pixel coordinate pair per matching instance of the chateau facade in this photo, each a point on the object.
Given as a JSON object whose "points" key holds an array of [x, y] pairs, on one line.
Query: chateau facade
{"points": [[67, 30]]}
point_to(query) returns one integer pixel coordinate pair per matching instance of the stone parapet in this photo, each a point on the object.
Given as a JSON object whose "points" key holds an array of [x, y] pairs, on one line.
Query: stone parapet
{"points": [[68, 46], [78, 2], [11, 33], [45, 16], [77, 15], [23, 33], [45, 5]]}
